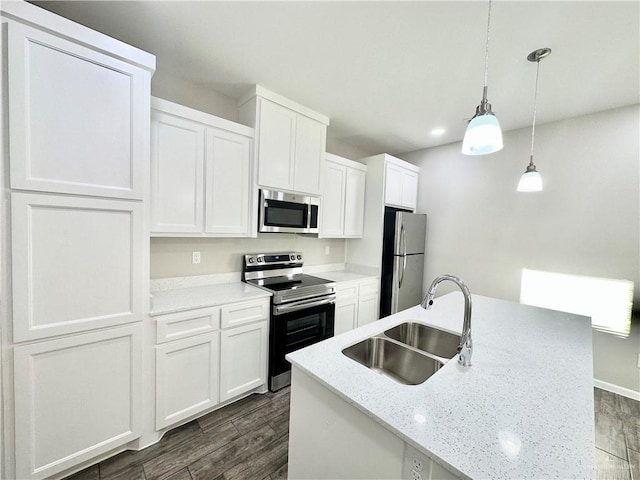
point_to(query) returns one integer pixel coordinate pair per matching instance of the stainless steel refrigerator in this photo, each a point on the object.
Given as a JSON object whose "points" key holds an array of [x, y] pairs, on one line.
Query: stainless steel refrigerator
{"points": [[402, 260]]}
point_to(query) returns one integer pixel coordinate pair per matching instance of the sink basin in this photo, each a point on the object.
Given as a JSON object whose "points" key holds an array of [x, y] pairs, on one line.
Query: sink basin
{"points": [[430, 340], [393, 360]]}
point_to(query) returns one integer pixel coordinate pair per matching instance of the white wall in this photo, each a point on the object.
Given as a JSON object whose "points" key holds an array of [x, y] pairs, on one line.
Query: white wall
{"points": [[585, 222]]}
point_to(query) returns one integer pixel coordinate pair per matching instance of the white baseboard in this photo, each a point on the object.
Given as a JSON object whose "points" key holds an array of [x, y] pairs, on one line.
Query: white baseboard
{"points": [[610, 387]]}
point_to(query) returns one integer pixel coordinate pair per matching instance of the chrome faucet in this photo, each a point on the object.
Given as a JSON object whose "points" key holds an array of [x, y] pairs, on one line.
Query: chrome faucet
{"points": [[465, 349]]}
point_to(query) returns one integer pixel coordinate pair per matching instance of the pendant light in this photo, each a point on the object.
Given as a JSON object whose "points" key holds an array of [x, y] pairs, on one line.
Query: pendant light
{"points": [[531, 181], [483, 134]]}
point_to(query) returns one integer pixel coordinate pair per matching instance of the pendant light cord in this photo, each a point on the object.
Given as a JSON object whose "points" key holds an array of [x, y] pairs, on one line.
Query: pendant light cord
{"points": [[535, 103], [486, 50]]}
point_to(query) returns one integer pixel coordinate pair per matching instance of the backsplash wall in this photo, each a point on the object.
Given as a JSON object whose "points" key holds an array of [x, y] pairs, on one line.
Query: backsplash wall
{"points": [[171, 257]]}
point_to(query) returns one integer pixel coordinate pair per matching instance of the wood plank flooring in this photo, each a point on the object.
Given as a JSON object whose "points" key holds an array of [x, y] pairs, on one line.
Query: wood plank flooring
{"points": [[248, 440]]}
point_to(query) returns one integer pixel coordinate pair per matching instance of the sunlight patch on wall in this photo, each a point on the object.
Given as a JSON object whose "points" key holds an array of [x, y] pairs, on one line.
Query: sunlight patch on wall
{"points": [[608, 302]]}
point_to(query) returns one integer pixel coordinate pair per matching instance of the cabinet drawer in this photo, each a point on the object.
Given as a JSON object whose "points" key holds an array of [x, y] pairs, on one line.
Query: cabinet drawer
{"points": [[347, 290], [187, 324], [369, 287], [245, 312]]}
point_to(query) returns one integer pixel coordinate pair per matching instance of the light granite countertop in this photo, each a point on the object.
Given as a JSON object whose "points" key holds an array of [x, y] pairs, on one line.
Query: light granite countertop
{"points": [[341, 276], [189, 298], [524, 409]]}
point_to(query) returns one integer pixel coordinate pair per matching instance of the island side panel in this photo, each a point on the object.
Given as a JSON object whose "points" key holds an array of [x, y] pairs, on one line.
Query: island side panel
{"points": [[329, 439]]}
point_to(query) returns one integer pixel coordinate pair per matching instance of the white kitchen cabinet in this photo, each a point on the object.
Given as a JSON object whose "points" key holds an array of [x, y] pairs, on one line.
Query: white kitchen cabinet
{"points": [[178, 325], [343, 198], [79, 118], [356, 304], [243, 359], [76, 397], [290, 141], [401, 186], [228, 183], [201, 174], [243, 347], [390, 181], [186, 377], [76, 264], [177, 174]]}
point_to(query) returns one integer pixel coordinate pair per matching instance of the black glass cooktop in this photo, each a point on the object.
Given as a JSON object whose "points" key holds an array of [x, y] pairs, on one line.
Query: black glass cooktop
{"points": [[289, 282]]}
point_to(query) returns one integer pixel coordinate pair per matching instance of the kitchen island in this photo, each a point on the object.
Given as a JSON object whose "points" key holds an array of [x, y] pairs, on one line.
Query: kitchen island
{"points": [[524, 409]]}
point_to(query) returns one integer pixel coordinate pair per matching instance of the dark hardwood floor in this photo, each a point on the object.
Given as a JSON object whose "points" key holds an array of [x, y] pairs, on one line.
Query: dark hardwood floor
{"points": [[249, 440], [245, 440]]}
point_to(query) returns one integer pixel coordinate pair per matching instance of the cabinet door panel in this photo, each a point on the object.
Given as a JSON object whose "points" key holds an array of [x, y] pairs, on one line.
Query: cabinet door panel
{"points": [[354, 203], [393, 185], [367, 310], [77, 264], [346, 316], [243, 359], [228, 182], [80, 397], [187, 378], [310, 147], [177, 168], [78, 122], [276, 145], [333, 200], [410, 190]]}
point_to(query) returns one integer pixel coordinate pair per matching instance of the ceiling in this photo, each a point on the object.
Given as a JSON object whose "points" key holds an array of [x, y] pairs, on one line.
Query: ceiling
{"points": [[387, 73]]}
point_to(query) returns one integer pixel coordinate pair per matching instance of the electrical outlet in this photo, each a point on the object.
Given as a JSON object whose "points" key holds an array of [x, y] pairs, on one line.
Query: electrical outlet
{"points": [[417, 465], [415, 475], [639, 360], [195, 257], [327, 249]]}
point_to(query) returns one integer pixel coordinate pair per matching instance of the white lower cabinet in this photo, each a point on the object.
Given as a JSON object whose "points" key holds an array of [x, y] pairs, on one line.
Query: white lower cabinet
{"points": [[368, 302], [356, 304], [199, 366], [243, 359], [76, 397], [186, 377]]}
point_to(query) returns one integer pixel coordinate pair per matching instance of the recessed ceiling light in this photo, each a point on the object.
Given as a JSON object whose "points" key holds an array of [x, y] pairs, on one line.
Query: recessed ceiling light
{"points": [[437, 131]]}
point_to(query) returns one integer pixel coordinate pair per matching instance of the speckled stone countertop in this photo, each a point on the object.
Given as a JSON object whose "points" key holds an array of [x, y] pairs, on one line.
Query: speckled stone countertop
{"points": [[524, 409], [181, 299], [342, 276]]}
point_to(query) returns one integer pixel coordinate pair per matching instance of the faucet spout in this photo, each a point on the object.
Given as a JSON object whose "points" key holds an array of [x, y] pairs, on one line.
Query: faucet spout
{"points": [[465, 349]]}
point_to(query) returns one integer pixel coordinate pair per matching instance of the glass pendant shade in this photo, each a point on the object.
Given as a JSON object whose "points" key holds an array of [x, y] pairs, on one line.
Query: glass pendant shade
{"points": [[483, 135], [530, 181]]}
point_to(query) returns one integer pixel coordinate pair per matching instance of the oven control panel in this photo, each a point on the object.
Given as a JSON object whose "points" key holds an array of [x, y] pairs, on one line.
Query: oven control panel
{"points": [[259, 259]]}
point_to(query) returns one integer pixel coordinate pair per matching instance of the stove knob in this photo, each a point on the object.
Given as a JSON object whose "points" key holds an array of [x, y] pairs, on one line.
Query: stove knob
{"points": [[251, 259], [260, 259], [292, 257], [299, 257]]}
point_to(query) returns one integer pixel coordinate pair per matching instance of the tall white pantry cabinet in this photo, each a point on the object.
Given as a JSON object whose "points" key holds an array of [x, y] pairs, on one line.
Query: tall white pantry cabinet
{"points": [[74, 258]]}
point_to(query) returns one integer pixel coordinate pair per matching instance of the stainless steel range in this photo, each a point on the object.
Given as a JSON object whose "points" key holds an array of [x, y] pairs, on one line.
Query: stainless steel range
{"points": [[302, 307]]}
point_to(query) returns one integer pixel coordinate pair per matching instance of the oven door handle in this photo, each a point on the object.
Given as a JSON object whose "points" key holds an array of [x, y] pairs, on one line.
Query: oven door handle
{"points": [[295, 306]]}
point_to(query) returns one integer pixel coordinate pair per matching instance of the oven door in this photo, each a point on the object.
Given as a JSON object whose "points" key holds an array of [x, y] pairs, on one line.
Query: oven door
{"points": [[296, 326]]}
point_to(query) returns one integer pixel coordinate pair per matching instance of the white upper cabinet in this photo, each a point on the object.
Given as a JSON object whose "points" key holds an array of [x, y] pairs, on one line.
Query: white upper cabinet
{"points": [[177, 173], [276, 144], [290, 141], [201, 174], [401, 184], [228, 182], [79, 118], [343, 198]]}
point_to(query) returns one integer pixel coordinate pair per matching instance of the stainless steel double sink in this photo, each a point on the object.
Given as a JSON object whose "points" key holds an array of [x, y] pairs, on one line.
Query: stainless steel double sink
{"points": [[408, 353]]}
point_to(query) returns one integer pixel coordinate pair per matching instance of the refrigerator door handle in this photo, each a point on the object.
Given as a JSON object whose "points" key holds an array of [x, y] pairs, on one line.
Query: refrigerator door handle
{"points": [[404, 267], [403, 242]]}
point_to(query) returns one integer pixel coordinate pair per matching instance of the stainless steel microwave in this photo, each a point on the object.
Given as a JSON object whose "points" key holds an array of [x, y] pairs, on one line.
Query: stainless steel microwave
{"points": [[282, 212]]}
